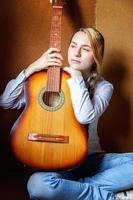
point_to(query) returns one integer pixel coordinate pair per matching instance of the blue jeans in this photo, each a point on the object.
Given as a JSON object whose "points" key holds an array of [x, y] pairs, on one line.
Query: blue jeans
{"points": [[98, 177]]}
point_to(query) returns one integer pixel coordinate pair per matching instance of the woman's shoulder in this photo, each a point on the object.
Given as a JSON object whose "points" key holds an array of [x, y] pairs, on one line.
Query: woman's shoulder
{"points": [[104, 86], [104, 83]]}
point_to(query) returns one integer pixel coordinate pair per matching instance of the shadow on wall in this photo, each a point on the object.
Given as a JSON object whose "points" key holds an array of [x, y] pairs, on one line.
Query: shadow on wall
{"points": [[115, 123], [74, 12], [6, 50]]}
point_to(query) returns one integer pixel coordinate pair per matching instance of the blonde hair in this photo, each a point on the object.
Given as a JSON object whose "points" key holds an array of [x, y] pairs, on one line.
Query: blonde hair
{"points": [[97, 45]]}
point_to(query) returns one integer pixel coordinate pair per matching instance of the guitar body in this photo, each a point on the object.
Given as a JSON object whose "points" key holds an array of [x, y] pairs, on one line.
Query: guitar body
{"points": [[47, 136]]}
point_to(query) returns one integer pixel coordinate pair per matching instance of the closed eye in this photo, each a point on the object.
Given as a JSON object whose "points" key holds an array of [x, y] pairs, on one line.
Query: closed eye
{"points": [[86, 49], [72, 45]]}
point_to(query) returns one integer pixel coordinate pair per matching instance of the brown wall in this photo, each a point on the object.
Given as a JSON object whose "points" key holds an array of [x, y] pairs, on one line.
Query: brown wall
{"points": [[24, 36], [115, 20]]}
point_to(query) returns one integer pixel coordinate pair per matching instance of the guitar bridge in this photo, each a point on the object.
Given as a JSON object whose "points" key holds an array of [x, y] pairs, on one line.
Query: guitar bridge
{"points": [[48, 138]]}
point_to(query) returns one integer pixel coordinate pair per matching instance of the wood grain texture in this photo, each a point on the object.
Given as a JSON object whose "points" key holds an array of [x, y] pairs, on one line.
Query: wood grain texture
{"points": [[35, 119]]}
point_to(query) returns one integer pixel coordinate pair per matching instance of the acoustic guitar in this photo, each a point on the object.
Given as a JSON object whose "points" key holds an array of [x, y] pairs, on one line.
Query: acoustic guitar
{"points": [[47, 135]]}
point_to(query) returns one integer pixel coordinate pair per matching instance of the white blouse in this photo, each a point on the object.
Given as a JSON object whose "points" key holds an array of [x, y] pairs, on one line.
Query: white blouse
{"points": [[87, 111]]}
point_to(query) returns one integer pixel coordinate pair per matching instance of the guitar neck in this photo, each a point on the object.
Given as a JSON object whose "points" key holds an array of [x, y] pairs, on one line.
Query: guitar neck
{"points": [[55, 33], [53, 80]]}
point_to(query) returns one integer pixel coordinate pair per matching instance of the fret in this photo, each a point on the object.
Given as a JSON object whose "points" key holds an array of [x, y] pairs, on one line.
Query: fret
{"points": [[53, 72], [56, 29], [53, 82]]}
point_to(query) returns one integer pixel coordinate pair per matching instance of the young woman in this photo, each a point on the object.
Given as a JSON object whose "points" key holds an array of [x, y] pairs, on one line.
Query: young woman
{"points": [[101, 174]]}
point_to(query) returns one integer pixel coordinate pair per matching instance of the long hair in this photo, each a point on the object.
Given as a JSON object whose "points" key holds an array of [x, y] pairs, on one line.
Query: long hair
{"points": [[97, 45]]}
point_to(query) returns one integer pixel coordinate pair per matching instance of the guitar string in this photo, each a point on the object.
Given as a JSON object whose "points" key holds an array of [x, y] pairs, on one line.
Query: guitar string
{"points": [[56, 42], [55, 25]]}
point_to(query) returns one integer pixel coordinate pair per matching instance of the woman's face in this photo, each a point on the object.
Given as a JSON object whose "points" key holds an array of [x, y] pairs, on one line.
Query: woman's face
{"points": [[80, 55]]}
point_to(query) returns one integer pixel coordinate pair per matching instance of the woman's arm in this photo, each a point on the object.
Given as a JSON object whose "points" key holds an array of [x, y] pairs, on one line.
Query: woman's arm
{"points": [[13, 95], [87, 110]]}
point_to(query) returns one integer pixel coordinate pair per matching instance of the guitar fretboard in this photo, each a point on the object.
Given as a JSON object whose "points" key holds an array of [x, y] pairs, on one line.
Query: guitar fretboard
{"points": [[53, 80]]}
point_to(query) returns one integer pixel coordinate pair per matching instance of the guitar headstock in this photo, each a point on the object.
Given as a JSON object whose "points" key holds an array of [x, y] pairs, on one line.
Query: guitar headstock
{"points": [[57, 2]]}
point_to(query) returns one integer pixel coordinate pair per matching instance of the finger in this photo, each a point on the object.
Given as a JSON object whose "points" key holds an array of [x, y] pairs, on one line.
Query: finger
{"points": [[54, 64], [67, 69], [56, 55], [56, 61], [52, 49]]}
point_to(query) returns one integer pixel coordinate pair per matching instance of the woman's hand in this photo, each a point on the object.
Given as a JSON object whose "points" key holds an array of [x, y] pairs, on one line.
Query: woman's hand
{"points": [[73, 72], [51, 57]]}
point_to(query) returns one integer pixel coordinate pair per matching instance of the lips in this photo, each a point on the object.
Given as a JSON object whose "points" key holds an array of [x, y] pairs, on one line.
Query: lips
{"points": [[75, 61]]}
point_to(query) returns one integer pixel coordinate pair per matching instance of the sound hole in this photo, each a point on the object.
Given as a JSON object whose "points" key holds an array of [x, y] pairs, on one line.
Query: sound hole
{"points": [[51, 101]]}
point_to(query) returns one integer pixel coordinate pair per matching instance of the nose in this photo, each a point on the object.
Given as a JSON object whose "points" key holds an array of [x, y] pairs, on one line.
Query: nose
{"points": [[77, 52]]}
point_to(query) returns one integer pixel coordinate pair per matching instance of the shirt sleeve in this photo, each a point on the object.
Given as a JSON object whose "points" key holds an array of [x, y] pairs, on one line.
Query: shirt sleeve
{"points": [[87, 110], [13, 95]]}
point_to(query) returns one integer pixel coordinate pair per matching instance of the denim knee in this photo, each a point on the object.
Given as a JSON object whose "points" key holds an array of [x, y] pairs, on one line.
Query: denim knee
{"points": [[43, 186]]}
